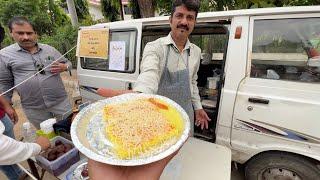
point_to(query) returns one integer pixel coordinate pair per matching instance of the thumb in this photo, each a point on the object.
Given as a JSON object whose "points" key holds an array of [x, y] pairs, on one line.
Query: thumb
{"points": [[15, 118]]}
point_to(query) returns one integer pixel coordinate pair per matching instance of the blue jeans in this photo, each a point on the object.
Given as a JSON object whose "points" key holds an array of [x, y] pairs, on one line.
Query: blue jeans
{"points": [[13, 172]]}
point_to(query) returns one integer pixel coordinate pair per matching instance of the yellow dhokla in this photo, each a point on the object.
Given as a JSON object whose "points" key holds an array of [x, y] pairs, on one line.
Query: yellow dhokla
{"points": [[140, 126]]}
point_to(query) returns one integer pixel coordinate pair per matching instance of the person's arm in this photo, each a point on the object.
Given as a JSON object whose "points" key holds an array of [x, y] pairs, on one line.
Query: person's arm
{"points": [[195, 97], [107, 92], [150, 171], [149, 77], [201, 117], [13, 151], [8, 109], [63, 63], [6, 78]]}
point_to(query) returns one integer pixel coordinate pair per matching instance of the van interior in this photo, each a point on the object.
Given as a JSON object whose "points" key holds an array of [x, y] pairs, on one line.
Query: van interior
{"points": [[212, 38]]}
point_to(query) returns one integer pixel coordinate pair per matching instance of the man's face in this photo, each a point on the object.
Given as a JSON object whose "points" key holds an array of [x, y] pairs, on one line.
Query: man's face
{"points": [[24, 35], [182, 22]]}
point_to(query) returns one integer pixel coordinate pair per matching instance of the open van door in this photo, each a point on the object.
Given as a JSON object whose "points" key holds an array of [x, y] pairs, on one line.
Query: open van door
{"points": [[120, 69], [277, 106]]}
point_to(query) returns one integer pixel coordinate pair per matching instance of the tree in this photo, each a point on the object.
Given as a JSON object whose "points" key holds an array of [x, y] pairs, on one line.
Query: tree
{"points": [[121, 10], [164, 6], [110, 9], [147, 8], [72, 12], [82, 8], [135, 9], [46, 17]]}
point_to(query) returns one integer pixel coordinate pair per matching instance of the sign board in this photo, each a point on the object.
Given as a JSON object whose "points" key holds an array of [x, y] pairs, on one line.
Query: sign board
{"points": [[93, 43], [117, 59]]}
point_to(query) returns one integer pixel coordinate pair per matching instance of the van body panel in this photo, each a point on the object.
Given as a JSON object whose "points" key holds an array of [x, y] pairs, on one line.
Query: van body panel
{"points": [[242, 151], [235, 70], [255, 115], [90, 79], [276, 114]]}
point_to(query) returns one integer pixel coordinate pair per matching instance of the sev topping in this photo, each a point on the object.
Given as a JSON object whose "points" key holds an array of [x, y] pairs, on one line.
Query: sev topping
{"points": [[138, 127]]}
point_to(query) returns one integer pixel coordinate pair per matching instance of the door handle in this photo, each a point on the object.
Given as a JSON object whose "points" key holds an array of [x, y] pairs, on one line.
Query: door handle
{"points": [[258, 100], [129, 86]]}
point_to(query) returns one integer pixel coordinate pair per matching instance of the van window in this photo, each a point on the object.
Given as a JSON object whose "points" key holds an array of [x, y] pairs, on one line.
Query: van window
{"points": [[211, 38], [128, 38], [286, 49]]}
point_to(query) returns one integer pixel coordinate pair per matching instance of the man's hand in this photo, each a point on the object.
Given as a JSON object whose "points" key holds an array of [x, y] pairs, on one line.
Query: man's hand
{"points": [[150, 171], [107, 92], [57, 67], [43, 142], [11, 113], [202, 118]]}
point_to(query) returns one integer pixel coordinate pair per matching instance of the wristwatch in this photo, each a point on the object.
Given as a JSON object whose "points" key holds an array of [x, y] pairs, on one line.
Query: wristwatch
{"points": [[68, 69]]}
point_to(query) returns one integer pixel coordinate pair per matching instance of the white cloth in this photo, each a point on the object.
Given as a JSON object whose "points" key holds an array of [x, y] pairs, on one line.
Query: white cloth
{"points": [[153, 62], [12, 151]]}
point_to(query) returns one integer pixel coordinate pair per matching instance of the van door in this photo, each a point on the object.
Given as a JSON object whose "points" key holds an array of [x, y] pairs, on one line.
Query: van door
{"points": [[278, 102], [94, 73]]}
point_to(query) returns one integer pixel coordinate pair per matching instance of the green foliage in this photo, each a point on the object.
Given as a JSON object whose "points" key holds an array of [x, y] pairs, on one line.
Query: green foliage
{"points": [[82, 8], [7, 39], [133, 4], [57, 15], [110, 9], [164, 6], [246, 4], [45, 15], [64, 38]]}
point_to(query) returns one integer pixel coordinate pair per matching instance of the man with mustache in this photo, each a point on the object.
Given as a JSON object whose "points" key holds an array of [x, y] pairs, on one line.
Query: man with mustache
{"points": [[43, 96], [169, 68], [170, 64]]}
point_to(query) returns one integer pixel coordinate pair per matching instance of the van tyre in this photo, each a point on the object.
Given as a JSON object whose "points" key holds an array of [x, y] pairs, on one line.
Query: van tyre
{"points": [[277, 165]]}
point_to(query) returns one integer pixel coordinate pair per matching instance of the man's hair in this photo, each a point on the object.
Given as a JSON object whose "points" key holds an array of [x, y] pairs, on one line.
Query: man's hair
{"points": [[191, 5], [19, 20]]}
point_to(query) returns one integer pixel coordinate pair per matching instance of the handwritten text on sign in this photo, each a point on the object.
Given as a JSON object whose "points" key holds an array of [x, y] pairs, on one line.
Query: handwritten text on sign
{"points": [[93, 43], [117, 59]]}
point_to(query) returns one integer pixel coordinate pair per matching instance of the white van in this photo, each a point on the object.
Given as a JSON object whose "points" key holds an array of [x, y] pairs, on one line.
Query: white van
{"points": [[259, 81]]}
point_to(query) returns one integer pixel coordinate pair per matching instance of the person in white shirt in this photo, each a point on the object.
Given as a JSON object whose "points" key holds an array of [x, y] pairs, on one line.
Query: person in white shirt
{"points": [[170, 64], [169, 68], [12, 151]]}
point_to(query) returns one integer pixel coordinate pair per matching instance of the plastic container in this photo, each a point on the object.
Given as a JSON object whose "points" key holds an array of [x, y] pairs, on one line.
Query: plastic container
{"points": [[47, 125], [50, 135], [28, 133], [212, 82], [62, 163]]}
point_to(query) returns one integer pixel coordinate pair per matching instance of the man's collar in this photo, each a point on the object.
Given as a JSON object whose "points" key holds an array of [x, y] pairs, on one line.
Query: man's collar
{"points": [[17, 47], [168, 40]]}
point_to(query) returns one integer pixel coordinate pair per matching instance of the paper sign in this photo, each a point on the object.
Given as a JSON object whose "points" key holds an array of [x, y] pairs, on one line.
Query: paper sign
{"points": [[117, 58], [93, 43]]}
